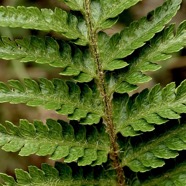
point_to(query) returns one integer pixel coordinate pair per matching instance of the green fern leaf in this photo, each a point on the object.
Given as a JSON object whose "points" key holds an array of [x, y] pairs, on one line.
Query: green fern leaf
{"points": [[60, 175], [158, 49], [44, 19], [152, 154], [49, 51], [65, 97], [74, 4], [121, 45], [104, 12], [176, 177], [72, 142], [141, 113], [113, 66]]}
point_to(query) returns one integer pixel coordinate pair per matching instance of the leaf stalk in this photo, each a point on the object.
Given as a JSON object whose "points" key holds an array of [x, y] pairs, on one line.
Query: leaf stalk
{"points": [[114, 151]]}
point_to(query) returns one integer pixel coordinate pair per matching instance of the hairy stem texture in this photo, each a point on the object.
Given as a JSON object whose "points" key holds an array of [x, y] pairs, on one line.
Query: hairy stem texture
{"points": [[114, 153]]}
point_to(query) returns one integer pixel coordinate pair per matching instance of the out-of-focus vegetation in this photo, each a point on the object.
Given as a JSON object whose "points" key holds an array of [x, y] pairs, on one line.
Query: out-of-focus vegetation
{"points": [[173, 71]]}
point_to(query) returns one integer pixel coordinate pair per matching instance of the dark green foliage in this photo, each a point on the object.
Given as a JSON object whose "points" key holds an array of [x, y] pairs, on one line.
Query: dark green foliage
{"points": [[96, 144], [148, 108], [151, 154], [43, 19], [176, 176], [159, 48], [52, 52], [64, 97], [136, 34], [61, 175], [72, 142]]}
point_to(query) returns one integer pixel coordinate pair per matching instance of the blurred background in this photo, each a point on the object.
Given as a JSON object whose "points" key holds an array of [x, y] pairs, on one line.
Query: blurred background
{"points": [[172, 70]]}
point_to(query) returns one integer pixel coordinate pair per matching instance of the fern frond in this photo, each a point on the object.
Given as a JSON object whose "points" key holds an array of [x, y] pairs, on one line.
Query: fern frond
{"points": [[72, 142], [158, 49], [65, 97], [45, 19], [151, 154], [176, 176], [105, 11], [60, 175], [141, 113], [74, 4], [121, 45], [52, 52]]}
